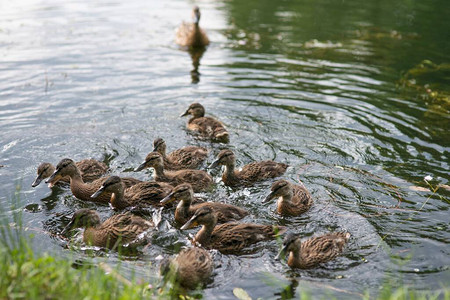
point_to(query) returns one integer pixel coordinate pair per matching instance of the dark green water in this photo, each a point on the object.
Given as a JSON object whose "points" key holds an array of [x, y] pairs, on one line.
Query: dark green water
{"points": [[316, 84]]}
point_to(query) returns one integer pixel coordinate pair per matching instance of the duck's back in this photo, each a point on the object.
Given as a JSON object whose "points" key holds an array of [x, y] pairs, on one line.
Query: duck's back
{"points": [[209, 127], [191, 35], [194, 267], [117, 230], [91, 169], [262, 170], [233, 237], [321, 249], [147, 193], [189, 157]]}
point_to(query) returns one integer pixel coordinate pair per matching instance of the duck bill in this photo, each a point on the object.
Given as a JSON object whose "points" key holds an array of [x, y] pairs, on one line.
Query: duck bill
{"points": [[169, 198], [98, 192], [68, 227], [269, 197], [140, 167], [214, 164], [53, 178], [185, 113], [190, 224], [282, 253], [37, 181]]}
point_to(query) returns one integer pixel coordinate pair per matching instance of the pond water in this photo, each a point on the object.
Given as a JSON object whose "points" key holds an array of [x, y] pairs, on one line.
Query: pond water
{"points": [[315, 84]]}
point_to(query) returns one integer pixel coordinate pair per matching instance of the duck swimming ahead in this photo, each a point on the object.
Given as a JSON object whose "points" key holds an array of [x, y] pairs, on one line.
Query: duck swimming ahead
{"points": [[190, 34]]}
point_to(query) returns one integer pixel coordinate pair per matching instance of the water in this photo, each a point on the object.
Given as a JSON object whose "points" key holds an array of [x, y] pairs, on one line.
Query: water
{"points": [[316, 85]]}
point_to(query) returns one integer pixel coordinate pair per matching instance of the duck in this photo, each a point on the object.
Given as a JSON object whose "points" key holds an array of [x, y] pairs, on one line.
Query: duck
{"points": [[90, 170], [116, 231], [81, 189], [249, 174], [314, 251], [231, 237], [200, 180], [190, 34], [191, 268], [184, 210], [188, 157], [293, 199], [206, 127], [141, 194]]}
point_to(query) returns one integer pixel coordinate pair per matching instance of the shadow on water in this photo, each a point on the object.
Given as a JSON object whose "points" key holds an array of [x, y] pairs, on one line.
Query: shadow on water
{"points": [[196, 55]]}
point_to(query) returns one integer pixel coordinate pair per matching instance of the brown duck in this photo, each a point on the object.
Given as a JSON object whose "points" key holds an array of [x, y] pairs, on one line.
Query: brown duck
{"points": [[293, 199], [80, 189], [141, 194], [190, 34], [251, 173], [229, 237], [314, 251], [118, 230], [206, 127], [191, 268], [90, 170], [184, 210], [189, 157], [200, 180]]}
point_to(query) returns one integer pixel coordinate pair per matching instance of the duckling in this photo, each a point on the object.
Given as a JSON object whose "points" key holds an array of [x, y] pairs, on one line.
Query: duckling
{"points": [[314, 251], [141, 194], [293, 199], [229, 237], [118, 230], [206, 127], [189, 157], [255, 171], [191, 268], [90, 170], [80, 189], [200, 180], [184, 210], [190, 34]]}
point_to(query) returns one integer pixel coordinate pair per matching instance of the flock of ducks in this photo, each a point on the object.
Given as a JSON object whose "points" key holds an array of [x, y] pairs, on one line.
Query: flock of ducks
{"points": [[176, 179]]}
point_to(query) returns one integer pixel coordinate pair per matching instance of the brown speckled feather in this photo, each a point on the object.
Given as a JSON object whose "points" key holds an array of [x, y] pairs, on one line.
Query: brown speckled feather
{"points": [[193, 267], [144, 194], [262, 170], [189, 157], [200, 180], [301, 202], [318, 250], [224, 212], [118, 230], [233, 237], [210, 128], [91, 169], [83, 191]]}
